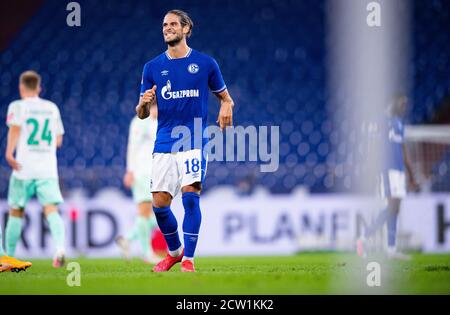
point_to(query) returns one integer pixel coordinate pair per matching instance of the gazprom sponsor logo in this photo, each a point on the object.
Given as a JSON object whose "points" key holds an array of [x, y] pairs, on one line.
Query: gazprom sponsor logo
{"points": [[167, 94]]}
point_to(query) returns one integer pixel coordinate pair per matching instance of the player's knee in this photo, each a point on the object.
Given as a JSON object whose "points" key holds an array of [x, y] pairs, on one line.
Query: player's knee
{"points": [[49, 209], [161, 200], [16, 213], [195, 187], [145, 209]]}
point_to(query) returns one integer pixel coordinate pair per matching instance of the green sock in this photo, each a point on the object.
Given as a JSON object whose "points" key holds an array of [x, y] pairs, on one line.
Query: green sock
{"points": [[57, 230], [152, 224], [12, 233], [133, 234], [2, 252], [144, 234]]}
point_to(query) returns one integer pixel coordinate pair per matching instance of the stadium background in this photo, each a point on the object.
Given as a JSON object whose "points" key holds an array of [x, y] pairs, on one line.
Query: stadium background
{"points": [[274, 64]]}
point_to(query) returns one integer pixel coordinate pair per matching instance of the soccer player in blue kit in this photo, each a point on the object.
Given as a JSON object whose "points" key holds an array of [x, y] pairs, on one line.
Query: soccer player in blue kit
{"points": [[179, 81], [392, 180]]}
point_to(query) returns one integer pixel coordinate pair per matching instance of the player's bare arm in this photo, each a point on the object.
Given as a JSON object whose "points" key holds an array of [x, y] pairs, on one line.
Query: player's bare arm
{"points": [[225, 118], [59, 141], [411, 179], [13, 138], [148, 99]]}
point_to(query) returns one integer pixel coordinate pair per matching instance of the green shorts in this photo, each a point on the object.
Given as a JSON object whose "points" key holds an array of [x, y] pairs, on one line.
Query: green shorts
{"points": [[20, 191], [141, 190]]}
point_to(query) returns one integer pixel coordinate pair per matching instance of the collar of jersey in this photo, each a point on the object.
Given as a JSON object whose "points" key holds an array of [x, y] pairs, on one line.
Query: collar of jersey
{"points": [[187, 54]]}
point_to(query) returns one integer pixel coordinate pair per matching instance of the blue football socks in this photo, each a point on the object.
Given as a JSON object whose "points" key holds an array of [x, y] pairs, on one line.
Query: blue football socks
{"points": [[191, 222], [169, 227]]}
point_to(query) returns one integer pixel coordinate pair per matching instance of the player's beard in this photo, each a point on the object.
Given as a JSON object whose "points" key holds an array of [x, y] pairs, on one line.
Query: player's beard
{"points": [[175, 41]]}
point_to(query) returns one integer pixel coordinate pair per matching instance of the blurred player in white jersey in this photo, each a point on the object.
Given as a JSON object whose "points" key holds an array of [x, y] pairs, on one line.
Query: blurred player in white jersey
{"points": [[35, 132], [392, 180], [141, 141]]}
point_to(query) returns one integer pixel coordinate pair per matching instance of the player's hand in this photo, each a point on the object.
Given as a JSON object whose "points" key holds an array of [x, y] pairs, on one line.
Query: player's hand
{"points": [[143, 108], [149, 95], [128, 179], [13, 162], [225, 118]]}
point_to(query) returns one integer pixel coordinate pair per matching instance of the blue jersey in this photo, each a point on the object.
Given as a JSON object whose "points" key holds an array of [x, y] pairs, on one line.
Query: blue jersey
{"points": [[388, 135], [182, 90], [395, 129]]}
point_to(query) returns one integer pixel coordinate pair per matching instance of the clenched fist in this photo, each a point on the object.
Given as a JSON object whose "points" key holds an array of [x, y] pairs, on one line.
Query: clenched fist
{"points": [[148, 99], [149, 95]]}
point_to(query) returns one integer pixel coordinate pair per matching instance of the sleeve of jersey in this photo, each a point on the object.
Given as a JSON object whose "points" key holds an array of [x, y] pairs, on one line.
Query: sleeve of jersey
{"points": [[215, 80], [59, 125], [147, 80], [13, 118]]}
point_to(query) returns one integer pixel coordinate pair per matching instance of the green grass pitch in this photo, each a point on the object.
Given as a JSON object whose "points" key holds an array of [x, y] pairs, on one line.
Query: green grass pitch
{"points": [[306, 273]]}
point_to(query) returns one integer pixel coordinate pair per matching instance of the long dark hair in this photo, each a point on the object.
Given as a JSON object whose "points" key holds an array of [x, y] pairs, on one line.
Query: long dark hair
{"points": [[184, 20]]}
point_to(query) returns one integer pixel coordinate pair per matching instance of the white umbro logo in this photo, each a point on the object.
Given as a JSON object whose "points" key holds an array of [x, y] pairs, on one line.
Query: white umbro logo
{"points": [[165, 72], [193, 68]]}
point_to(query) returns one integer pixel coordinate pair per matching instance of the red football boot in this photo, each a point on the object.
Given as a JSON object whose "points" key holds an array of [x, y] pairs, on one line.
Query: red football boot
{"points": [[187, 266], [167, 263]]}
